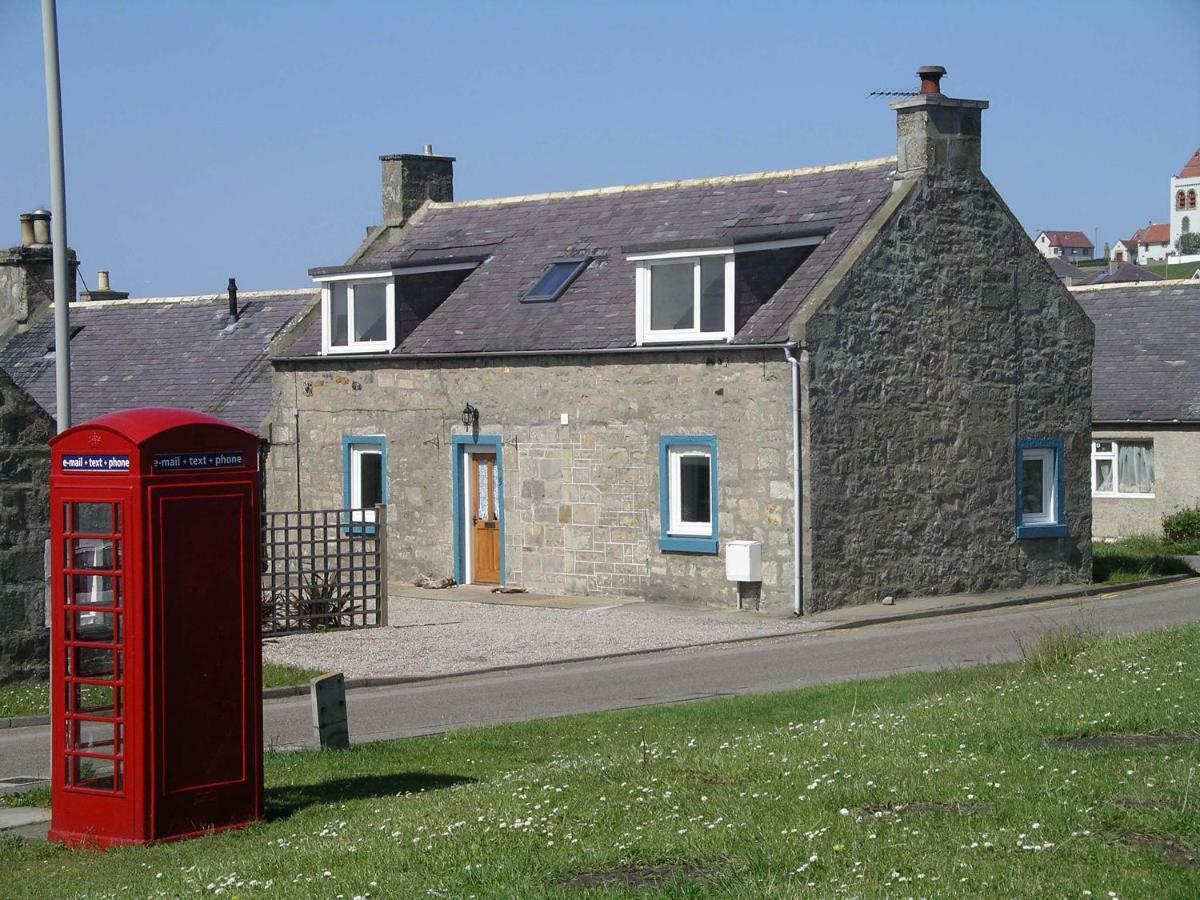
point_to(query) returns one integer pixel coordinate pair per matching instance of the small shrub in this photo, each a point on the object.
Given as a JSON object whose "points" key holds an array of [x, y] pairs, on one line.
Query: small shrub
{"points": [[1182, 526]]}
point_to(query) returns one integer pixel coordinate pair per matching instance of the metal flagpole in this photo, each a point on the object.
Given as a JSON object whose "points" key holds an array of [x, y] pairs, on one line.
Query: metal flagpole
{"points": [[58, 218]]}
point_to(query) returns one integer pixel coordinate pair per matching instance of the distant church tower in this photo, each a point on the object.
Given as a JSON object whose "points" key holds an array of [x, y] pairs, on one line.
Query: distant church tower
{"points": [[1185, 215]]}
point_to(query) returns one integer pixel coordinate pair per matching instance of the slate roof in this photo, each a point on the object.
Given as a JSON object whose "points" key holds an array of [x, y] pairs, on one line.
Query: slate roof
{"points": [[173, 352], [1146, 363], [1191, 168], [1064, 269], [1068, 239], [520, 236], [1124, 271]]}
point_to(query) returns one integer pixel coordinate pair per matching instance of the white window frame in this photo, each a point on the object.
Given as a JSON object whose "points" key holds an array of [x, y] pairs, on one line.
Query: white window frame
{"points": [[647, 335], [676, 527], [1049, 514], [1114, 456], [353, 346], [357, 452]]}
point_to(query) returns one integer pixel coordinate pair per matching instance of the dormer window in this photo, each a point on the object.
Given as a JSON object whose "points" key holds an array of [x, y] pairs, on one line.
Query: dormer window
{"points": [[685, 299], [358, 315], [693, 294]]}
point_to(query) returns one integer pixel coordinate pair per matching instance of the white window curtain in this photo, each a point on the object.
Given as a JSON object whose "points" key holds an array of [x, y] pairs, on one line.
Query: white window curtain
{"points": [[1135, 468]]}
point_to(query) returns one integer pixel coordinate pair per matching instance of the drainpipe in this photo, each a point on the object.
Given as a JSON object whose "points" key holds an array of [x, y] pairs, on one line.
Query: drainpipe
{"points": [[794, 362]]}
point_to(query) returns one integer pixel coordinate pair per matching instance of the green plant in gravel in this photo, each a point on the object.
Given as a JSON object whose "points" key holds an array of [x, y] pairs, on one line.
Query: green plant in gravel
{"points": [[947, 784], [1182, 527]]}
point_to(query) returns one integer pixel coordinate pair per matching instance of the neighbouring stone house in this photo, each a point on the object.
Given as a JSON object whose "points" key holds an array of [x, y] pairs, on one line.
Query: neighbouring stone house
{"points": [[177, 351], [867, 368], [1066, 245], [25, 429], [1146, 403]]}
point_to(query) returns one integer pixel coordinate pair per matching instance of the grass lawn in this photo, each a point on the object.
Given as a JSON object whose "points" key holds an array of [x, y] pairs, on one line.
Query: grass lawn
{"points": [[1136, 558], [942, 784], [32, 698]]}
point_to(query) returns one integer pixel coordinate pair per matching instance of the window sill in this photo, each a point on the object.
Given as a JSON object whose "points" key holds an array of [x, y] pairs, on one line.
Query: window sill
{"points": [[377, 347], [688, 544], [359, 528], [685, 337], [1101, 496], [1026, 532]]}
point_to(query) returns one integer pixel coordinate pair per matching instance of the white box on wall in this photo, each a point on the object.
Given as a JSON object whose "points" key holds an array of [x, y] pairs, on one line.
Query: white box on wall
{"points": [[743, 561]]}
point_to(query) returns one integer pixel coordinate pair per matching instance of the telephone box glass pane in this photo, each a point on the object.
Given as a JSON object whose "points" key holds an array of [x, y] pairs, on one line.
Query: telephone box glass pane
{"points": [[93, 590], [95, 737], [94, 699], [97, 627], [90, 662], [94, 553], [94, 774], [93, 518]]}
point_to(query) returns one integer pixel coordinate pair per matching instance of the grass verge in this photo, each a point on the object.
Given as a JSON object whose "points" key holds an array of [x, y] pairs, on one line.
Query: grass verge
{"points": [[954, 783], [1137, 558], [32, 698]]}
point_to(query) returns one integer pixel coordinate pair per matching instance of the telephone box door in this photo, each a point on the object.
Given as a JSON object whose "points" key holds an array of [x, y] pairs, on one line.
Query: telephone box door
{"points": [[205, 687]]}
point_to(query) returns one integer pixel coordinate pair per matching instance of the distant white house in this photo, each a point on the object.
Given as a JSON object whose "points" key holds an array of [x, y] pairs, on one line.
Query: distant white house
{"points": [[1125, 250], [1154, 242], [1064, 244]]}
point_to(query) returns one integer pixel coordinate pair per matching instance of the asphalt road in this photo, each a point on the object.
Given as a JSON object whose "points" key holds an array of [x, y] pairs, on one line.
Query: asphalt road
{"points": [[673, 676]]}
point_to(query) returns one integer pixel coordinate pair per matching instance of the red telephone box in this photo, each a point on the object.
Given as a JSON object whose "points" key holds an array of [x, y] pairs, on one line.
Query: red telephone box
{"points": [[156, 663]]}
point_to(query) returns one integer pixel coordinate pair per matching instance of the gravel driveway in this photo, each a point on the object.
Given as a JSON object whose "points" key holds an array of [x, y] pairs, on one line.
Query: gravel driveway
{"points": [[437, 637]]}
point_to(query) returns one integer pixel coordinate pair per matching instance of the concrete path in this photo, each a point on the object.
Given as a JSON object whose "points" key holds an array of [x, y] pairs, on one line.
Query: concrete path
{"points": [[441, 704]]}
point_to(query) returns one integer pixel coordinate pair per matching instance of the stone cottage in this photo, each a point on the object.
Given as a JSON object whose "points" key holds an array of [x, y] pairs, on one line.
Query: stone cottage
{"points": [[867, 368], [1146, 399]]}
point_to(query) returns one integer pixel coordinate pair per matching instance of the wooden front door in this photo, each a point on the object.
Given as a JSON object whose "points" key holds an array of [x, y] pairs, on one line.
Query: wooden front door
{"points": [[485, 522]]}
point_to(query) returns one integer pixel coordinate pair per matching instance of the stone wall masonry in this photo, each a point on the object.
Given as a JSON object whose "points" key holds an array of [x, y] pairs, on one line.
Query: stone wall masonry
{"points": [[581, 500], [25, 429], [949, 339]]}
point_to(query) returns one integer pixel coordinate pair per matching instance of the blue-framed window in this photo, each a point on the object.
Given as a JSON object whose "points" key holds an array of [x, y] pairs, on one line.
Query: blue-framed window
{"points": [[687, 493], [364, 478], [1040, 483]]}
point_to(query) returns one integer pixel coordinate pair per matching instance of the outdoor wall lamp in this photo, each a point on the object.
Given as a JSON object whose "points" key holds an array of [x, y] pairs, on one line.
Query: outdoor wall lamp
{"points": [[470, 417]]}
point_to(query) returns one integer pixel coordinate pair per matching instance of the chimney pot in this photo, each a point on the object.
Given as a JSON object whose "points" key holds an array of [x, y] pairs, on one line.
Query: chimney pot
{"points": [[102, 280], [931, 79], [41, 226], [27, 230], [233, 307], [429, 149]]}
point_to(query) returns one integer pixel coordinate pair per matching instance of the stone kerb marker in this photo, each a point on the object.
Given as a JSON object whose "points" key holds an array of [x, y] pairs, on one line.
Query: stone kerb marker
{"points": [[330, 724]]}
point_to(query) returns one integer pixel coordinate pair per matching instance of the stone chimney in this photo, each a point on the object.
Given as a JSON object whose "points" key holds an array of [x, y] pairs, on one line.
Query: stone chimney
{"points": [[409, 179], [936, 133], [27, 275]]}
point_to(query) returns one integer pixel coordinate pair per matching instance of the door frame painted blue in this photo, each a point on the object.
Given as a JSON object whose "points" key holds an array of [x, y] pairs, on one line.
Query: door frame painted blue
{"points": [[460, 446]]}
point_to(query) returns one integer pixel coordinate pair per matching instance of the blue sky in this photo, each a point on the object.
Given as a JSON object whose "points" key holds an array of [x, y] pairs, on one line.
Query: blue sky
{"points": [[209, 139]]}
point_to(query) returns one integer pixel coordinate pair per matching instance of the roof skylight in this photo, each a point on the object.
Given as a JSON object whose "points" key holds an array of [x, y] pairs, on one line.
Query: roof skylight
{"points": [[556, 279]]}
